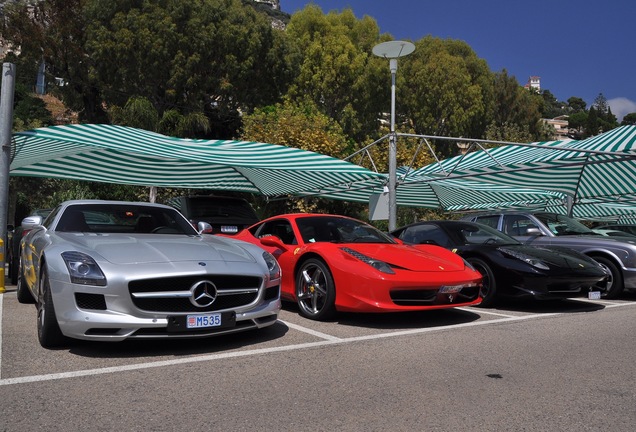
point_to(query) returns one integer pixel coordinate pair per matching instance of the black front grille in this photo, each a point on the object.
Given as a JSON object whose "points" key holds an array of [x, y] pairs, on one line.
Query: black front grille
{"points": [[224, 299], [185, 283], [90, 301], [422, 297], [413, 297]]}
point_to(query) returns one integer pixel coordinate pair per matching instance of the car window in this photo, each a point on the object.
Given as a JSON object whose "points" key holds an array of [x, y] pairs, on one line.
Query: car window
{"points": [[517, 225], [483, 234], [279, 228], [339, 230], [49, 219], [492, 220], [122, 219], [425, 234], [563, 225]]}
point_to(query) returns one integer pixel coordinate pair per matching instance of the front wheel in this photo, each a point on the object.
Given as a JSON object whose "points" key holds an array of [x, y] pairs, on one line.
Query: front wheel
{"points": [[49, 333], [315, 290], [489, 285], [22, 291], [614, 286]]}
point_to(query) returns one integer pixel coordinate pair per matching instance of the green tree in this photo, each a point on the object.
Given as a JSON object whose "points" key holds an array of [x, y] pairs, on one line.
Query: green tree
{"points": [[337, 71], [576, 104], [446, 90], [516, 113], [629, 119], [201, 56], [551, 107], [55, 31]]}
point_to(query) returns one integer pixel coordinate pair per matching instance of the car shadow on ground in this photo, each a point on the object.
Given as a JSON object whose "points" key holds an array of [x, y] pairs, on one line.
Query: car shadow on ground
{"points": [[545, 306], [177, 347], [398, 320]]}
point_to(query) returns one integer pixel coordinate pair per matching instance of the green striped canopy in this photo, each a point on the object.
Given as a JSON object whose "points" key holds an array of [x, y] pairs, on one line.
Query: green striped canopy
{"points": [[119, 154], [600, 168], [448, 194]]}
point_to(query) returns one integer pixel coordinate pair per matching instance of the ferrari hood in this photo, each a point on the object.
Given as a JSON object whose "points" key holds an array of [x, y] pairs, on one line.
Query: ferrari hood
{"points": [[126, 249], [422, 258]]}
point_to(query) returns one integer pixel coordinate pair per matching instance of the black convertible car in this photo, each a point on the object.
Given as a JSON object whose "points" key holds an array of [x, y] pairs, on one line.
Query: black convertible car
{"points": [[509, 267]]}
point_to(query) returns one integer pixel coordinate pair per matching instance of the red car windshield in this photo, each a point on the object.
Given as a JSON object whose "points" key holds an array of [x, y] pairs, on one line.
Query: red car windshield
{"points": [[339, 230]]}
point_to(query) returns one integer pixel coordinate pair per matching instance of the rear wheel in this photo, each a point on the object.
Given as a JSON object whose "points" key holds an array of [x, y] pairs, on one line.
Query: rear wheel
{"points": [[315, 290], [614, 286], [489, 285], [49, 333]]}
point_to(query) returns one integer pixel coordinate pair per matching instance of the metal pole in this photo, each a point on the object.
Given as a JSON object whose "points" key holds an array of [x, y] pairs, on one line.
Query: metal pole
{"points": [[6, 124], [392, 153]]}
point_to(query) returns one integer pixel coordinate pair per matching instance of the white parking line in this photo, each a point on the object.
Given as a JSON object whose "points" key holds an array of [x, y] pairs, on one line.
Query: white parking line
{"points": [[481, 311], [211, 357], [606, 303], [330, 340], [311, 332]]}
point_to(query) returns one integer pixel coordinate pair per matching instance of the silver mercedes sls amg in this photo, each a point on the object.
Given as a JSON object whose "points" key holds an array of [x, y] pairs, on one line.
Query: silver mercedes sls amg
{"points": [[112, 270]]}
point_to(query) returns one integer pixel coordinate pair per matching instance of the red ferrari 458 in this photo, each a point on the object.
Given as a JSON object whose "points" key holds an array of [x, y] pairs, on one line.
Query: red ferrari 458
{"points": [[334, 263]]}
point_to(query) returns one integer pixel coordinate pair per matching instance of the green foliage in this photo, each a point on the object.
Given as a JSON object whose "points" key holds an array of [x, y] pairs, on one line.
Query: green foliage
{"points": [[629, 119], [203, 56], [336, 69], [446, 90], [576, 104], [299, 126]]}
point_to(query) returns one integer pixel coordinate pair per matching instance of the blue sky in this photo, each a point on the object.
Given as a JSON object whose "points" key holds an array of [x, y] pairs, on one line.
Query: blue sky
{"points": [[578, 47]]}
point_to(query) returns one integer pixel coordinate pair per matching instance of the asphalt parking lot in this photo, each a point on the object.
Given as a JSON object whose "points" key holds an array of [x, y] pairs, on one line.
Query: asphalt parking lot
{"points": [[26, 366]]}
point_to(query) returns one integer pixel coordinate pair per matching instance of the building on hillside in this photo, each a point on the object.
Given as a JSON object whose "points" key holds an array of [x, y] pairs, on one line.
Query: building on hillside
{"points": [[274, 4], [534, 83], [561, 127]]}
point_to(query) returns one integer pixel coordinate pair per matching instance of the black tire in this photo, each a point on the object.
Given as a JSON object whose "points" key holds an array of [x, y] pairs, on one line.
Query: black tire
{"points": [[22, 292], [49, 333], [488, 290], [14, 269], [315, 290], [615, 285]]}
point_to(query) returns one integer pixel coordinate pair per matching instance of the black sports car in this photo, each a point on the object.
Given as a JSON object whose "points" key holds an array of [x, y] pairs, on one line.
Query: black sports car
{"points": [[509, 267]]}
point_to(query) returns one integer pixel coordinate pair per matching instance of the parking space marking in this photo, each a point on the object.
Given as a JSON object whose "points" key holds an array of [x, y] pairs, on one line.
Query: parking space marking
{"points": [[211, 357], [310, 331], [481, 311], [606, 303]]}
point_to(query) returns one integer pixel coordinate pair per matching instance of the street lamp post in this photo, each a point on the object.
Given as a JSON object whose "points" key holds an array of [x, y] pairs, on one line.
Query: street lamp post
{"points": [[392, 50]]}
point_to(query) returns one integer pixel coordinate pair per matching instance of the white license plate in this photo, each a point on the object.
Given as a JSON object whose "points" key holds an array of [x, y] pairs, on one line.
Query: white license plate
{"points": [[594, 295], [203, 321], [229, 229]]}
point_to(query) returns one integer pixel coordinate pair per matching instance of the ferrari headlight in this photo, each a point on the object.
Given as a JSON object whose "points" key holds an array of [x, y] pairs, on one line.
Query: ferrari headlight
{"points": [[525, 258], [376, 264], [83, 269], [272, 265]]}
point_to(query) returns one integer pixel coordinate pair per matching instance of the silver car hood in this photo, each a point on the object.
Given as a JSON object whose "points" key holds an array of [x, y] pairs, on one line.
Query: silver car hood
{"points": [[157, 248]]}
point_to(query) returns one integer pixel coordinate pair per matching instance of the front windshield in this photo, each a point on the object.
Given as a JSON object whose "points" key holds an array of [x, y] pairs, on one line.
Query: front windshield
{"points": [[475, 233], [123, 219], [339, 230], [563, 225]]}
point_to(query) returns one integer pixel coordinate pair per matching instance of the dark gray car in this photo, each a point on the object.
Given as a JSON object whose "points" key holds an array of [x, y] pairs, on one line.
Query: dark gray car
{"points": [[616, 254]]}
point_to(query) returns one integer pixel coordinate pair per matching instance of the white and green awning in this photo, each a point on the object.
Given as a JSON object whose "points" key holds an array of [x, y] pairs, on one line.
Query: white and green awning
{"points": [[124, 155], [600, 168]]}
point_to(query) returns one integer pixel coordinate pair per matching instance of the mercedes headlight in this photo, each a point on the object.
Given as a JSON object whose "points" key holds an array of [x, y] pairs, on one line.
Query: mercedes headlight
{"points": [[272, 265], [83, 269]]}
